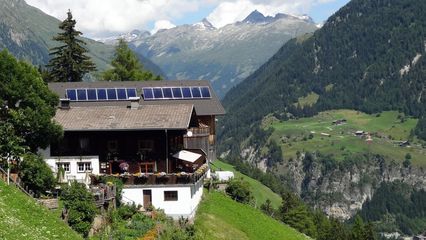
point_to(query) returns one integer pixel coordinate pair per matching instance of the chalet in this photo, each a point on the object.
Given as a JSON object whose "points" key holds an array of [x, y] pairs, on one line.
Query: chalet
{"points": [[420, 237], [404, 144], [157, 136], [359, 133], [339, 122]]}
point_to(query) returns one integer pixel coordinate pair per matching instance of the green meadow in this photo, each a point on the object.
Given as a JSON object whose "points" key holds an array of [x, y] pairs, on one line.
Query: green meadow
{"points": [[220, 217], [21, 217], [318, 133]]}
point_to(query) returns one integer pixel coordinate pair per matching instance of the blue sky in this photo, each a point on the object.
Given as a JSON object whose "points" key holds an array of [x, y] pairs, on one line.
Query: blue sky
{"points": [[322, 12], [103, 18]]}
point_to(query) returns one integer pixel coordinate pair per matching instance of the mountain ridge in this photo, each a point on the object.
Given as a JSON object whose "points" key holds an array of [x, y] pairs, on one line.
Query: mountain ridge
{"points": [[349, 63], [225, 56]]}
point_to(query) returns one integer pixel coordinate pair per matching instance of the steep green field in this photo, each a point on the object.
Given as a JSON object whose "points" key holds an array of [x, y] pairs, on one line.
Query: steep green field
{"points": [[22, 218], [219, 217], [386, 129], [260, 191]]}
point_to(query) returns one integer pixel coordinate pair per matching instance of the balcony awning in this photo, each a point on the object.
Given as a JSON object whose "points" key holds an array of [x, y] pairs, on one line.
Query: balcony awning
{"points": [[187, 156]]}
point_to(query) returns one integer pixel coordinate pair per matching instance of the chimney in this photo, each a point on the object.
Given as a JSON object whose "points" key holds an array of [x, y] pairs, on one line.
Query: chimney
{"points": [[65, 103], [134, 102]]}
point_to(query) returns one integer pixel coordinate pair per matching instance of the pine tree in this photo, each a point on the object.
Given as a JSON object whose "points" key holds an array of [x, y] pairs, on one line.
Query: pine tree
{"points": [[126, 66], [70, 62]]}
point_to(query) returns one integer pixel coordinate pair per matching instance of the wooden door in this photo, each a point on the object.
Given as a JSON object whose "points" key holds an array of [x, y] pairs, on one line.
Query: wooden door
{"points": [[147, 198]]}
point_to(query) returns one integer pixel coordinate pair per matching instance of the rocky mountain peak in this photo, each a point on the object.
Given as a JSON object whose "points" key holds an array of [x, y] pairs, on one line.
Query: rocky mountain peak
{"points": [[255, 17], [204, 25]]}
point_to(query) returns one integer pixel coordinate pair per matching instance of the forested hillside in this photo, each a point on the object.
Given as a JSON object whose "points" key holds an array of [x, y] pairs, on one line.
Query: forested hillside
{"points": [[397, 206], [368, 56], [27, 33]]}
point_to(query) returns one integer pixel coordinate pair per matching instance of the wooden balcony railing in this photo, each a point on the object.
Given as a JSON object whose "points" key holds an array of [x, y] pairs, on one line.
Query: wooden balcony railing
{"points": [[157, 178]]}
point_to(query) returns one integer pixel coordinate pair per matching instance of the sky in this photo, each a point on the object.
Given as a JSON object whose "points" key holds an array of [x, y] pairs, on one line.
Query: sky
{"points": [[105, 18]]}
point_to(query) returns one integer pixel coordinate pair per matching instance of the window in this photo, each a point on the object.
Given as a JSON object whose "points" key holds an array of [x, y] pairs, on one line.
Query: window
{"points": [[145, 145], [65, 166], [84, 166], [170, 195]]}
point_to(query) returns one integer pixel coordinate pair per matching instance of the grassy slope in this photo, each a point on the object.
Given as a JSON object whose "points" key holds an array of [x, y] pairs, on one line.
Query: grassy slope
{"points": [[260, 191], [342, 141], [219, 217], [22, 218]]}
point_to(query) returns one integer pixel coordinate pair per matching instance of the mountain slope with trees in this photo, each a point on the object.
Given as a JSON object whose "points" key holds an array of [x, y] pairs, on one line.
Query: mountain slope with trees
{"points": [[368, 56], [28, 33]]}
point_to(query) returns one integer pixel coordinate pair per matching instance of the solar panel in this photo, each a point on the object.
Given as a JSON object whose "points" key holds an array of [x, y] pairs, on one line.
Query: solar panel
{"points": [[81, 95], [121, 94], [176, 93], [131, 92], [186, 92], [205, 92], [167, 93], [91, 94], [158, 94], [71, 94], [196, 92], [112, 94], [147, 93], [100, 94]]}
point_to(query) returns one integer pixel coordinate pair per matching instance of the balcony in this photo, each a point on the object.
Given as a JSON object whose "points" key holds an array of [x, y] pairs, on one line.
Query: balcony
{"points": [[200, 138], [160, 178]]}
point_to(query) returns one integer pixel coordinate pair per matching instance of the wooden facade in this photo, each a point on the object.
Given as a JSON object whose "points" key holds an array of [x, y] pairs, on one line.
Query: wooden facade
{"points": [[142, 151]]}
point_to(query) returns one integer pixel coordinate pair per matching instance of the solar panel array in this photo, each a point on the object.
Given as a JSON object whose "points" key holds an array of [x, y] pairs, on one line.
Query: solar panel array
{"points": [[100, 94], [177, 93]]}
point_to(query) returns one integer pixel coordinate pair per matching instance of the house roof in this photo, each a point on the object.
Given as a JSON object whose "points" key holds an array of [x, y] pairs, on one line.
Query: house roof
{"points": [[149, 117], [203, 107]]}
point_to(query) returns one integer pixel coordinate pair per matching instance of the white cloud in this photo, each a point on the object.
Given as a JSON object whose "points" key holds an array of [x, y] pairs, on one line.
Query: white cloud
{"points": [[162, 24], [231, 11], [97, 18], [100, 18]]}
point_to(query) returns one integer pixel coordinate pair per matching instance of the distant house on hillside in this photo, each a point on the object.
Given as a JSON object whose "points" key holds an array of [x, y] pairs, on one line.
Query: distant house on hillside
{"points": [[157, 136], [339, 122], [359, 133], [420, 237], [404, 144]]}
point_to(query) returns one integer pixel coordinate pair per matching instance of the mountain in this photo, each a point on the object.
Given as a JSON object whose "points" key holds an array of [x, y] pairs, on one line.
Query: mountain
{"points": [[226, 55], [27, 33], [369, 57]]}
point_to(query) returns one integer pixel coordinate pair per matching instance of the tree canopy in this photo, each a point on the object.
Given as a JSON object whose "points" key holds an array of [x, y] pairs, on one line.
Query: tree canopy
{"points": [[126, 66], [27, 106], [70, 62]]}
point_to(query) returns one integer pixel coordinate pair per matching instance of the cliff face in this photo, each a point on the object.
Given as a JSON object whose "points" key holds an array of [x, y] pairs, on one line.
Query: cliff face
{"points": [[341, 190]]}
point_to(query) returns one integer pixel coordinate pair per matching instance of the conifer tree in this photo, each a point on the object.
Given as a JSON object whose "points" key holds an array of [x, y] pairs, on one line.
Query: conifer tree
{"points": [[126, 66], [69, 62]]}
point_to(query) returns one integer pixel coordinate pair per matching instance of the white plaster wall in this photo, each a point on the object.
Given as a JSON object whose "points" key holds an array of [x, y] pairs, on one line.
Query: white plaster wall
{"points": [[73, 160], [185, 206]]}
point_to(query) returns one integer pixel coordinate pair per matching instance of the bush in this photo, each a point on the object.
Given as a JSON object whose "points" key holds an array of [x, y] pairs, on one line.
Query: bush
{"points": [[81, 207], [35, 173], [239, 190]]}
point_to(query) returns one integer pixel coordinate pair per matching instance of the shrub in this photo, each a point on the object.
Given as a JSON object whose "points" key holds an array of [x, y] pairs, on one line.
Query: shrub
{"points": [[35, 173], [239, 190], [81, 207]]}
